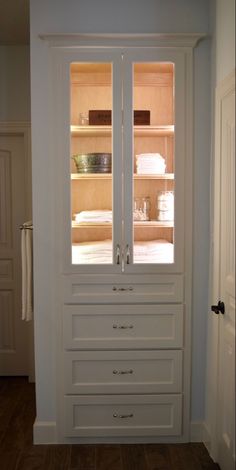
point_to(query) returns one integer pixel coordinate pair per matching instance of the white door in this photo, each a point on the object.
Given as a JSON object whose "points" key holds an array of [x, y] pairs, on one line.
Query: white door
{"points": [[14, 333], [225, 186]]}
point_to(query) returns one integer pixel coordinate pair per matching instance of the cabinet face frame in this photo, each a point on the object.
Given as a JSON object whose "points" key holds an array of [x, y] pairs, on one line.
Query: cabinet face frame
{"points": [[122, 168]]}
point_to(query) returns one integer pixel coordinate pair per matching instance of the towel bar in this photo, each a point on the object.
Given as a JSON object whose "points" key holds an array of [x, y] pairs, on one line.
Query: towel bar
{"points": [[28, 227]]}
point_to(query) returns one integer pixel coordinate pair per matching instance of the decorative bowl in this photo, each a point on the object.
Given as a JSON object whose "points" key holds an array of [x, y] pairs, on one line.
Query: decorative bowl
{"points": [[93, 162]]}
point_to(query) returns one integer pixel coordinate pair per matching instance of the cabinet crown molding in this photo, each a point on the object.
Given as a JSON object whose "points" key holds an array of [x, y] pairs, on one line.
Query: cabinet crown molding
{"points": [[189, 40]]}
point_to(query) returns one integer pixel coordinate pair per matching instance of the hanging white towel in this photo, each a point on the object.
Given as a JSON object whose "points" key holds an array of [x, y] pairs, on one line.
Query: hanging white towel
{"points": [[27, 271]]}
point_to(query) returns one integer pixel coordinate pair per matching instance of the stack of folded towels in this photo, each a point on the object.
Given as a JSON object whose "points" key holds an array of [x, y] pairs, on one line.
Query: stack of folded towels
{"points": [[150, 163], [94, 216], [100, 252]]}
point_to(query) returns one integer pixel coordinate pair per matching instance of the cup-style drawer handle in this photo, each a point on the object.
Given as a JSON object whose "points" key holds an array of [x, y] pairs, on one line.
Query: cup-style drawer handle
{"points": [[115, 415], [122, 372], [122, 289], [123, 327]]}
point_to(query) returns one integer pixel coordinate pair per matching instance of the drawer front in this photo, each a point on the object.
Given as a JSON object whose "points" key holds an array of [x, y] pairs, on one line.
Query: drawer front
{"points": [[127, 415], [122, 326], [123, 372], [148, 288]]}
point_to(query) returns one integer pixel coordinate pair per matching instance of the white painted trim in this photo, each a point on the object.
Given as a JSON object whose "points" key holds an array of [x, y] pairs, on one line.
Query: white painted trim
{"points": [[44, 432], [196, 431], [174, 40], [123, 440], [206, 438], [199, 432], [14, 125]]}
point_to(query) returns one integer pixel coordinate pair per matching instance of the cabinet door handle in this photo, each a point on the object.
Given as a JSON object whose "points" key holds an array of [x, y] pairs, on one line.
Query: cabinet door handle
{"points": [[123, 327], [122, 372], [122, 289], [117, 254], [115, 415], [127, 254]]}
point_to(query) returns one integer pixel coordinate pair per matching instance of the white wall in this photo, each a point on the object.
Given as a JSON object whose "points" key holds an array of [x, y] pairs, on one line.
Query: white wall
{"points": [[14, 83], [130, 16]]}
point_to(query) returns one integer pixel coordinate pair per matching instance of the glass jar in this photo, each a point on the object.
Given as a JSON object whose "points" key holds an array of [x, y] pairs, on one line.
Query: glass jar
{"points": [[83, 119], [141, 208]]}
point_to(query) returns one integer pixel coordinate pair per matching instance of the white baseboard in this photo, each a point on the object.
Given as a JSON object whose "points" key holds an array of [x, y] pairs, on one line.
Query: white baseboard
{"points": [[199, 432], [44, 432], [196, 431], [206, 437]]}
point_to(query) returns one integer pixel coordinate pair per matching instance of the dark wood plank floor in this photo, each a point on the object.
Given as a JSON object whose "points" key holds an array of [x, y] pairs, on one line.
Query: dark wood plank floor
{"points": [[17, 452]]}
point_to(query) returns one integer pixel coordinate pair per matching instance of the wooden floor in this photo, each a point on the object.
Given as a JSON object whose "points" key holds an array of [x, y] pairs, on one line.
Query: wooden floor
{"points": [[17, 452]]}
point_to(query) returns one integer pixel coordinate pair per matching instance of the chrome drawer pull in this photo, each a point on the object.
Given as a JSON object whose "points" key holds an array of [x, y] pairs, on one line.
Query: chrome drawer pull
{"points": [[123, 327], [121, 372], [115, 415], [122, 289]]}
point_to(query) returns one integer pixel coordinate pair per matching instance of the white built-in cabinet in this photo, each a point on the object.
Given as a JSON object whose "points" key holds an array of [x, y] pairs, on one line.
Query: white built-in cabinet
{"points": [[123, 318]]}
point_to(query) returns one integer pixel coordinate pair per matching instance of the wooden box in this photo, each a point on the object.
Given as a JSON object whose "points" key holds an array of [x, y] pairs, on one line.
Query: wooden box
{"points": [[99, 117], [102, 117]]}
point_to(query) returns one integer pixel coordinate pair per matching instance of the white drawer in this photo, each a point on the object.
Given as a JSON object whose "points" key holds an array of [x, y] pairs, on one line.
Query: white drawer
{"points": [[123, 372], [127, 415], [122, 326], [123, 288]]}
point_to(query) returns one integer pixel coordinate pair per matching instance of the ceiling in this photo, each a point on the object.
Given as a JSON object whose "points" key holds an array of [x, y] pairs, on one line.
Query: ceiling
{"points": [[14, 22]]}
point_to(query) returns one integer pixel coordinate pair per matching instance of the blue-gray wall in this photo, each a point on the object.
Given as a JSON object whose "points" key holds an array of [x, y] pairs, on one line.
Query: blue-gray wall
{"points": [[14, 83]]}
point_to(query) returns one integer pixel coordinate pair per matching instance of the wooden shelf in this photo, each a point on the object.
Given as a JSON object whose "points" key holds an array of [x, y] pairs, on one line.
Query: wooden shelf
{"points": [[165, 176], [87, 225], [102, 131], [154, 224], [108, 176], [139, 224]]}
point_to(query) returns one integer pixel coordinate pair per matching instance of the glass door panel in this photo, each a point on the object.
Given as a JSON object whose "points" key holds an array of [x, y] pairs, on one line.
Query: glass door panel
{"points": [[153, 162], [91, 163]]}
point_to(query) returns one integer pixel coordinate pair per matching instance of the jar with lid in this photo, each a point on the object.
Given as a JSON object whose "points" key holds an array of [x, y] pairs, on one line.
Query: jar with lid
{"points": [[165, 205]]}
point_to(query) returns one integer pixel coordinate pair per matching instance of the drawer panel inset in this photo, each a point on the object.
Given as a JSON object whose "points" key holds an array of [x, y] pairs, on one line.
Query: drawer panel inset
{"points": [[164, 288], [128, 415], [123, 372], [123, 326]]}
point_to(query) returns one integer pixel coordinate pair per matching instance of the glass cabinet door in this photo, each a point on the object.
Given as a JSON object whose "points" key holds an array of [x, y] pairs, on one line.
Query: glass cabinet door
{"points": [[95, 157], [150, 155], [124, 114]]}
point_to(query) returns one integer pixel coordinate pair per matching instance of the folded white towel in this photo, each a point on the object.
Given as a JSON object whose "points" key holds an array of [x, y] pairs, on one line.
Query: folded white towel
{"points": [[27, 271], [150, 163], [95, 216], [100, 252]]}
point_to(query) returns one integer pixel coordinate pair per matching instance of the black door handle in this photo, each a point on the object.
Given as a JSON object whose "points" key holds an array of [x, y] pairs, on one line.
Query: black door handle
{"points": [[219, 308]]}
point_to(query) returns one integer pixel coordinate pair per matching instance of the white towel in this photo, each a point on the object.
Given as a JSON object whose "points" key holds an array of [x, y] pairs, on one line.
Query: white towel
{"points": [[27, 271], [150, 163], [100, 252], [94, 216]]}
